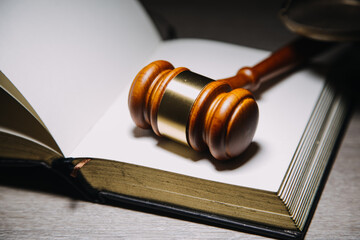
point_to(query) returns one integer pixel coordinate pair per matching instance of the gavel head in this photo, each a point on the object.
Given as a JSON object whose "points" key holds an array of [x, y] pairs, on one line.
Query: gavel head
{"points": [[193, 110]]}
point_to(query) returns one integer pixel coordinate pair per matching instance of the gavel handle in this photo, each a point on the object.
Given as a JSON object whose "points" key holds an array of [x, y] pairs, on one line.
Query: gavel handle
{"points": [[279, 62]]}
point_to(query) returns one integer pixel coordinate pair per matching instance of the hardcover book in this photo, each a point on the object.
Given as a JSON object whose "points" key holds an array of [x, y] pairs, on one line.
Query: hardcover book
{"points": [[66, 70]]}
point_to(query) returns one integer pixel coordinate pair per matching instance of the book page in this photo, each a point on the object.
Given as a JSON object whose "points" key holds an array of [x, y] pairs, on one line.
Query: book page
{"points": [[71, 59], [17, 118], [284, 106]]}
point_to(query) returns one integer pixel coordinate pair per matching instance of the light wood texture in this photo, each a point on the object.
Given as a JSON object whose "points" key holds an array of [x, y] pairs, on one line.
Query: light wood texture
{"points": [[37, 214]]}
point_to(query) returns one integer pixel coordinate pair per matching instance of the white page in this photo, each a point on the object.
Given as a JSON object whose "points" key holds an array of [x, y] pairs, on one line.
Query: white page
{"points": [[70, 59], [284, 111]]}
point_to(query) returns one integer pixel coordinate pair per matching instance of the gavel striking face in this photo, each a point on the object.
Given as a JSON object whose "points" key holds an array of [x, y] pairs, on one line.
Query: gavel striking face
{"points": [[194, 110], [203, 113]]}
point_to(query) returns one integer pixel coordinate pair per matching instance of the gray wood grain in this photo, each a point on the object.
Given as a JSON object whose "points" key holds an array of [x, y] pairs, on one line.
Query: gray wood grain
{"points": [[31, 214]]}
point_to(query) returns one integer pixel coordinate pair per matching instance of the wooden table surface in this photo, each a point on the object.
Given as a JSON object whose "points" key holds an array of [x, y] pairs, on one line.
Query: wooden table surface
{"points": [[36, 205]]}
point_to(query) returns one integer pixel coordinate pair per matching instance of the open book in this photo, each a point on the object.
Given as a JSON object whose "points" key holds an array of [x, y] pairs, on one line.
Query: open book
{"points": [[66, 70]]}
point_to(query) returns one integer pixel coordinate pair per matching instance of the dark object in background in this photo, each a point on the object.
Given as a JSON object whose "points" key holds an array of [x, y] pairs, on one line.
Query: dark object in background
{"points": [[252, 24], [326, 20]]}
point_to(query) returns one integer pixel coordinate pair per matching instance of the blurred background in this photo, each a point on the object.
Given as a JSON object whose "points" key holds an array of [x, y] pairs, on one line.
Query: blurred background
{"points": [[249, 23]]}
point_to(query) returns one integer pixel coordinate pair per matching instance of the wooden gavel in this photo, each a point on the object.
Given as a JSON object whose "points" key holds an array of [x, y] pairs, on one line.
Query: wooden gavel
{"points": [[202, 113]]}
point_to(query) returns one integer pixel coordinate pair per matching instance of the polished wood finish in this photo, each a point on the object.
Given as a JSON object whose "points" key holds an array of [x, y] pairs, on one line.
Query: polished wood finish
{"points": [[224, 116], [279, 62], [197, 137], [222, 120], [147, 90]]}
